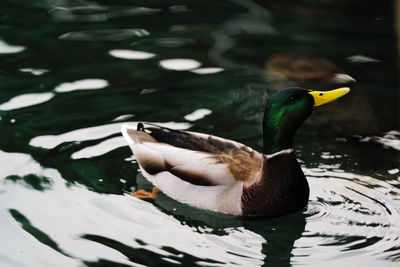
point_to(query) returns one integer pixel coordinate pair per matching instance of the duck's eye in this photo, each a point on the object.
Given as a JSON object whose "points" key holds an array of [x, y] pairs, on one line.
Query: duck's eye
{"points": [[292, 99]]}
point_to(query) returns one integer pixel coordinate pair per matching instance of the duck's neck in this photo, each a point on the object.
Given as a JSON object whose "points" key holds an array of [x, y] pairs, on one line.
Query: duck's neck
{"points": [[276, 136], [281, 152]]}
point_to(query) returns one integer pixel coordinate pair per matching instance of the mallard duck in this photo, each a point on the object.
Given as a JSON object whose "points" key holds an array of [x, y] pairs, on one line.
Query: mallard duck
{"points": [[225, 176], [286, 69]]}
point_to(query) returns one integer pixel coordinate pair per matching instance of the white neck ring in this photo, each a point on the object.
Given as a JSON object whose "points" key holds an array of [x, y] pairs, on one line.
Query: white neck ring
{"points": [[285, 151]]}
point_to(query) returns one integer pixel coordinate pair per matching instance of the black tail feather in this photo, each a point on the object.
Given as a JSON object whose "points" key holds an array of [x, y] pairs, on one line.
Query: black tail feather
{"points": [[140, 127], [159, 127]]}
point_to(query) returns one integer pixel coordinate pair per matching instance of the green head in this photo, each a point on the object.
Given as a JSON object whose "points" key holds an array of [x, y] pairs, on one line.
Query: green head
{"points": [[287, 110]]}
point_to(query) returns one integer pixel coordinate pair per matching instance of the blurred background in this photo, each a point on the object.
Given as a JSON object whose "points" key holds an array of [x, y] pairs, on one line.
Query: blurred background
{"points": [[73, 71]]}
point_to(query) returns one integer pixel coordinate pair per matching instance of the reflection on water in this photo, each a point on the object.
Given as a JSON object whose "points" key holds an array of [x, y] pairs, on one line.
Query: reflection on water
{"points": [[81, 85], [92, 12], [74, 72], [114, 35], [179, 64], [10, 49], [131, 54], [390, 139]]}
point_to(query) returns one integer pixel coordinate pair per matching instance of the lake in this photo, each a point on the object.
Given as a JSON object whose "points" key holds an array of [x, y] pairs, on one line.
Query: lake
{"points": [[73, 72]]}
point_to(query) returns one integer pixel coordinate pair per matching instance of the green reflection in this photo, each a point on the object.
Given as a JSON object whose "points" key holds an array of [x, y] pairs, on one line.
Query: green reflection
{"points": [[39, 235], [145, 256], [40, 183]]}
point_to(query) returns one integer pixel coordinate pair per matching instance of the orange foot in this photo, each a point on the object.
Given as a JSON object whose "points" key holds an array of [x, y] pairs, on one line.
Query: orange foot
{"points": [[142, 194]]}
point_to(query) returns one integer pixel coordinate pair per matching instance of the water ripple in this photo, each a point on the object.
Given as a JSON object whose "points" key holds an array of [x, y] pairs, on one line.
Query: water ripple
{"points": [[355, 217], [97, 13], [390, 139], [115, 35]]}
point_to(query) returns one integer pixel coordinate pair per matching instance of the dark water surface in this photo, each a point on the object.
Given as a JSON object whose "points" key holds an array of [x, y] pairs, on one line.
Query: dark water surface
{"points": [[73, 71]]}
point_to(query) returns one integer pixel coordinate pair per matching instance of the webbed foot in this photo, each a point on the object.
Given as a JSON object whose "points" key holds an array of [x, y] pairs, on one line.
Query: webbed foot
{"points": [[142, 194]]}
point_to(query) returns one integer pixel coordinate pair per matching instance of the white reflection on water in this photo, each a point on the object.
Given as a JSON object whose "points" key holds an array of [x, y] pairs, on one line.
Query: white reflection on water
{"points": [[124, 117], [35, 72], [361, 59], [357, 214], [203, 71], [100, 149], [180, 64], [346, 210], [85, 84], [130, 54], [10, 49], [28, 251], [198, 114], [393, 171], [26, 100], [67, 214], [390, 139], [17, 164], [93, 133]]}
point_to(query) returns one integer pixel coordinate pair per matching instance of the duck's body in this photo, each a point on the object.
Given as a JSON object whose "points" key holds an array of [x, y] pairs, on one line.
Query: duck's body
{"points": [[225, 176], [218, 174]]}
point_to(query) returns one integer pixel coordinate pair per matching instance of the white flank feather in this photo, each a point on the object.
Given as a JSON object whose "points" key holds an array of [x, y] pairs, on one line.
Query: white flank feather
{"points": [[224, 197], [220, 198]]}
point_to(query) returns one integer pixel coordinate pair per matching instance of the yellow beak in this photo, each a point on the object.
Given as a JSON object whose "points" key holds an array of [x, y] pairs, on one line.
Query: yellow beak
{"points": [[323, 97]]}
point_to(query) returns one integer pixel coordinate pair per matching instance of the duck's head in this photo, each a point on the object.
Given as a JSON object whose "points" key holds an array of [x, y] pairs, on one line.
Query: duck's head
{"points": [[287, 110]]}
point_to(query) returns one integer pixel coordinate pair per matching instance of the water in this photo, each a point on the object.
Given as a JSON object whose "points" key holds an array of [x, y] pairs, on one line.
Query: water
{"points": [[72, 72]]}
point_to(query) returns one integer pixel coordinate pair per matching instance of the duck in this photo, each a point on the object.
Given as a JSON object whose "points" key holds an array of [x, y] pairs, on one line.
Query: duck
{"points": [[225, 176], [285, 69]]}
